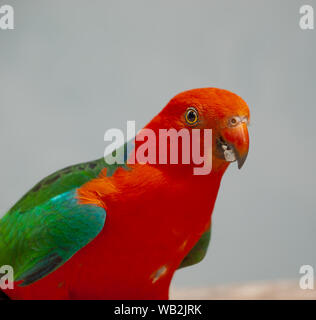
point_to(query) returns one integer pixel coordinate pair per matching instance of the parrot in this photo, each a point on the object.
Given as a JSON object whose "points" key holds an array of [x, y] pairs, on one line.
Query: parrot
{"points": [[99, 230]]}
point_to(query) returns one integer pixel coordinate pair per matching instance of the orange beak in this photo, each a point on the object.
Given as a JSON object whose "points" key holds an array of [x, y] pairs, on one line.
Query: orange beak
{"points": [[238, 139]]}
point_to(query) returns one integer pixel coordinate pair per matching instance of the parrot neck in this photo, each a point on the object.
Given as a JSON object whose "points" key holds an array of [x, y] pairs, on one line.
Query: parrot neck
{"points": [[140, 179]]}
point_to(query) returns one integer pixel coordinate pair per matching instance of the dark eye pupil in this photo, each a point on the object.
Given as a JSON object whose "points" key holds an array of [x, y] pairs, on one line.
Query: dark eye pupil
{"points": [[191, 116]]}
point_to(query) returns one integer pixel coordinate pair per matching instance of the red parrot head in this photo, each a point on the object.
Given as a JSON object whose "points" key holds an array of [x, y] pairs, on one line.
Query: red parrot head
{"points": [[224, 112]]}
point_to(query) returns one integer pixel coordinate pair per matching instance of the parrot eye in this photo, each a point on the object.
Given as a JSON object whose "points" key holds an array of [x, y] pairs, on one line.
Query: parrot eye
{"points": [[191, 116], [234, 121]]}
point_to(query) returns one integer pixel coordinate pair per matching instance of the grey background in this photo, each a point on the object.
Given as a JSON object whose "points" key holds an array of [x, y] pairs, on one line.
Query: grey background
{"points": [[72, 69]]}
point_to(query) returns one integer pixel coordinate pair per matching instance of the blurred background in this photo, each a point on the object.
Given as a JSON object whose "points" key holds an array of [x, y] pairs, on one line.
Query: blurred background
{"points": [[72, 69]]}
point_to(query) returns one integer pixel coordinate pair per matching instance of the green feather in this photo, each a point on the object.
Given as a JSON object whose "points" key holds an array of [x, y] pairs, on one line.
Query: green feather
{"points": [[38, 241], [62, 181], [198, 252]]}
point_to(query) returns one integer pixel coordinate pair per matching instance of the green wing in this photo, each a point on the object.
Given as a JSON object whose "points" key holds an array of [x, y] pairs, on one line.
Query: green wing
{"points": [[62, 181], [75, 176], [198, 252], [38, 241]]}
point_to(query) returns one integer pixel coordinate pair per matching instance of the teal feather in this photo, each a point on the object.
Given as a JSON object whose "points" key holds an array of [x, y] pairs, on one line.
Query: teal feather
{"points": [[40, 240]]}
